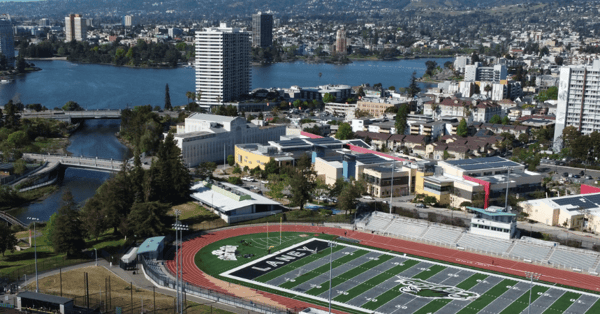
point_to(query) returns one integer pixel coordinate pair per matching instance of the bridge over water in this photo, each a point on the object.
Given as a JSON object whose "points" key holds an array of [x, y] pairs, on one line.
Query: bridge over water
{"points": [[68, 116]]}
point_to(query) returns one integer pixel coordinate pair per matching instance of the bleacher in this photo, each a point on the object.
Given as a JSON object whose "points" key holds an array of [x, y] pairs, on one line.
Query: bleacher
{"points": [[377, 223], [532, 252], [441, 234], [484, 244], [572, 258], [406, 228]]}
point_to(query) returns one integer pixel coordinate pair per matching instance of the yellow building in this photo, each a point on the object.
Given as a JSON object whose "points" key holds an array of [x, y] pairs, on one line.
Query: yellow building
{"points": [[257, 155], [439, 187], [375, 109]]}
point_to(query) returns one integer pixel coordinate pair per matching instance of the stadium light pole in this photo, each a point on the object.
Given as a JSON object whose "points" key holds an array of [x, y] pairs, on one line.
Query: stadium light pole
{"points": [[177, 213], [392, 185], [507, 184], [331, 245], [531, 276], [179, 228], [37, 285]]}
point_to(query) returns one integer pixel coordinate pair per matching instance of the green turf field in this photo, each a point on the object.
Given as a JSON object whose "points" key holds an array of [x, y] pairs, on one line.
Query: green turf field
{"points": [[365, 280]]}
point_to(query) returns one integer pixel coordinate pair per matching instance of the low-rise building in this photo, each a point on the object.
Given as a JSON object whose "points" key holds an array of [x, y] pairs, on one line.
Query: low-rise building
{"points": [[493, 221], [375, 107], [379, 180], [233, 203]]}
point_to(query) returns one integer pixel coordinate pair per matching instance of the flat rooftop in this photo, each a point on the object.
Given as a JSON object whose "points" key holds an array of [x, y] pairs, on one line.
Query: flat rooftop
{"points": [[482, 163], [225, 203]]}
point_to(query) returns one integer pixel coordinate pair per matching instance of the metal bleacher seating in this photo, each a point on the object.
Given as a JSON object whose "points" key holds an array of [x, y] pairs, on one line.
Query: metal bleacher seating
{"points": [[442, 234], [484, 244], [406, 228], [532, 252], [572, 258], [377, 223]]}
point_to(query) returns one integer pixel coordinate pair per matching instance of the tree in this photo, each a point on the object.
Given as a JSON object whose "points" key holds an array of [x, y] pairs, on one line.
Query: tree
{"points": [[462, 129], [304, 162], [448, 65], [297, 103], [190, 95], [413, 88], [327, 98], [431, 65], [524, 138], [21, 64], [488, 88], [148, 219], [68, 235], [230, 160], [50, 228], [350, 194], [72, 106], [303, 187], [172, 177], [392, 88], [168, 105], [496, 119], [401, 117], [20, 166], [8, 240], [344, 132], [550, 93], [93, 218], [505, 120], [11, 116]]}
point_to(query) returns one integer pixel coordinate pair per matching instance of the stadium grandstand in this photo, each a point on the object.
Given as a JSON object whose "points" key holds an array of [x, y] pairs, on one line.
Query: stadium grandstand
{"points": [[525, 249]]}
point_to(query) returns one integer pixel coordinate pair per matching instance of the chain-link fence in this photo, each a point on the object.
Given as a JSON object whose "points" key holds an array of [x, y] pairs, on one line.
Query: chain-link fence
{"points": [[27, 271], [153, 271]]}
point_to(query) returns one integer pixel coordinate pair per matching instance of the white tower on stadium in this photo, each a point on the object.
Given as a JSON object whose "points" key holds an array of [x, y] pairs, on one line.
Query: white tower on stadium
{"points": [[222, 64]]}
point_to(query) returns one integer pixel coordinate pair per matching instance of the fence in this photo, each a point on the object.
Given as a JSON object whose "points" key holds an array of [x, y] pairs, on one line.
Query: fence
{"points": [[161, 279], [27, 271]]}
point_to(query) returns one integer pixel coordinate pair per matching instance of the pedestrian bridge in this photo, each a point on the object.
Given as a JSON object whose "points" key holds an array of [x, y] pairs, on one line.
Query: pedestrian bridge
{"points": [[68, 116], [98, 164]]}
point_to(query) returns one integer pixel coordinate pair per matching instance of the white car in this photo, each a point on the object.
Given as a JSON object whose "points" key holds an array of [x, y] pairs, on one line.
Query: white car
{"points": [[264, 182], [367, 197]]}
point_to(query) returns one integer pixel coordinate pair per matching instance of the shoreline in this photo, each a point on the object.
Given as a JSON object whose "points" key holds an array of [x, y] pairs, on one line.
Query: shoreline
{"points": [[47, 59]]}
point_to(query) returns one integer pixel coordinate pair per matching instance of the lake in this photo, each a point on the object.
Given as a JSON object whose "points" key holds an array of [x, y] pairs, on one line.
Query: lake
{"points": [[109, 87]]}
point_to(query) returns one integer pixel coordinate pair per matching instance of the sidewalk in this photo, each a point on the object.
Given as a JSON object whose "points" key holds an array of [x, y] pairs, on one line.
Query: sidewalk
{"points": [[140, 281]]}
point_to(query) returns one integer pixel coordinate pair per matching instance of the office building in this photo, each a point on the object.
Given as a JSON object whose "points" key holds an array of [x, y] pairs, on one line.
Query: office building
{"points": [[222, 64], [207, 137], [7, 40], [476, 72], [44, 22], [578, 101], [341, 42], [262, 30], [75, 28], [127, 20]]}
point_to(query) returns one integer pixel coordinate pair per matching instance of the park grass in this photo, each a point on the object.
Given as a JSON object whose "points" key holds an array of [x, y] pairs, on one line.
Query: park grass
{"points": [[256, 244], [16, 264], [120, 292], [521, 303], [198, 217], [350, 274], [488, 297]]}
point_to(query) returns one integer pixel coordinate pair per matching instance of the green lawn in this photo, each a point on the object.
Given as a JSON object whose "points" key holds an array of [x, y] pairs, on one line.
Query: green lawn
{"points": [[23, 262]]}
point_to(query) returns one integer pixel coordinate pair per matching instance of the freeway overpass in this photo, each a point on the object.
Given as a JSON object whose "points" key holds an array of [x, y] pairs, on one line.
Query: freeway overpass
{"points": [[97, 164]]}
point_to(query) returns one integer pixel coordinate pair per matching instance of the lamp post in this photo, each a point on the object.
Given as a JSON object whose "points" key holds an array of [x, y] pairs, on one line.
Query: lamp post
{"points": [[37, 286], [179, 228], [392, 185], [531, 276], [96, 252], [331, 245]]}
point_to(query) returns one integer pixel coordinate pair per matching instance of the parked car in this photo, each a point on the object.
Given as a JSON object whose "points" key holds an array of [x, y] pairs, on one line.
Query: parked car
{"points": [[589, 177], [367, 197], [576, 176], [570, 175], [581, 173], [566, 174], [420, 205]]}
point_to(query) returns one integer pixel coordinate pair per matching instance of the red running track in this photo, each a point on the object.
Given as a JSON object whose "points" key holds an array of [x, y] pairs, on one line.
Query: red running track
{"points": [[193, 275]]}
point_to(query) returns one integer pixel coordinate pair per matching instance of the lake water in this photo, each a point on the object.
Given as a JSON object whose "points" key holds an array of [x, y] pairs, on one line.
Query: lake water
{"points": [[103, 86]]}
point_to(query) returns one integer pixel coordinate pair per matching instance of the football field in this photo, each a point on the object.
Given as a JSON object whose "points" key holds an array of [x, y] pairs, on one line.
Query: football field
{"points": [[366, 280]]}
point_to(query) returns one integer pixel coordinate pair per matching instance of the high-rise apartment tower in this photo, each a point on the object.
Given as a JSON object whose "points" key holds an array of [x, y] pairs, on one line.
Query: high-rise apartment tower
{"points": [[341, 42], [578, 100], [7, 40], [222, 64], [75, 28], [262, 30]]}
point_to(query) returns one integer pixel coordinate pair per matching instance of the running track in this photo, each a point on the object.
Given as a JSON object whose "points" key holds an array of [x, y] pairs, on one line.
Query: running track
{"points": [[192, 274]]}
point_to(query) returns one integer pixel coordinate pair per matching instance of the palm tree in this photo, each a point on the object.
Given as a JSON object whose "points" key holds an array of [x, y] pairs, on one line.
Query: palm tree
{"points": [[198, 96], [189, 95], [488, 89]]}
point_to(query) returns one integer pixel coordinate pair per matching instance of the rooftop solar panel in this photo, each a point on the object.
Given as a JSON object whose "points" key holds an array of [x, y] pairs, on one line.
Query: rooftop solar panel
{"points": [[294, 142]]}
